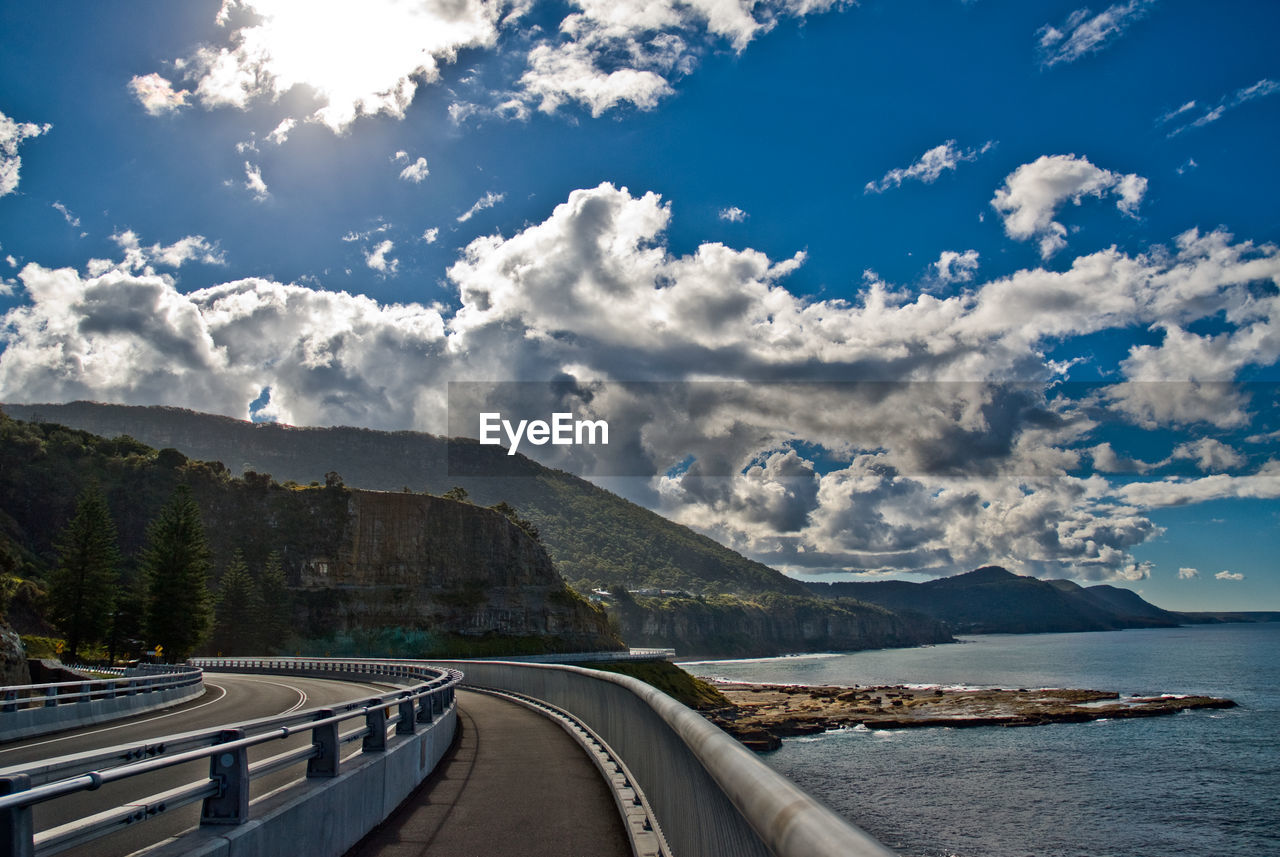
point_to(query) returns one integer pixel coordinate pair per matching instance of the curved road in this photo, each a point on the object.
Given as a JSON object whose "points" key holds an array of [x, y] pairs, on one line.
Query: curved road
{"points": [[227, 699], [514, 784]]}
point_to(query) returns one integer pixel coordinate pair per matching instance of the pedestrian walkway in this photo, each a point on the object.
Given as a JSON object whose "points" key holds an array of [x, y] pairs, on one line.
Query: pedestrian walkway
{"points": [[514, 784]]}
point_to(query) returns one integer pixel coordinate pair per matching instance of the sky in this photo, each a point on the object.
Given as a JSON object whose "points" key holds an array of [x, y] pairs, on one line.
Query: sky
{"points": [[864, 291]]}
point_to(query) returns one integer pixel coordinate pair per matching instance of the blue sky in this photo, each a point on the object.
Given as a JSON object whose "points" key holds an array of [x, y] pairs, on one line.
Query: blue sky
{"points": [[295, 211]]}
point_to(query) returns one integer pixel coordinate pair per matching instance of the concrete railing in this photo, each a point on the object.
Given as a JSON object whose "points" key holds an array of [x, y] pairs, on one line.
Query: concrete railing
{"points": [[38, 709], [711, 795], [403, 735]]}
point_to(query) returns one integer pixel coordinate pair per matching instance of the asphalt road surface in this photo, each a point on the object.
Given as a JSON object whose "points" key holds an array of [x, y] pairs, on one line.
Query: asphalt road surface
{"points": [[227, 699], [514, 784]]}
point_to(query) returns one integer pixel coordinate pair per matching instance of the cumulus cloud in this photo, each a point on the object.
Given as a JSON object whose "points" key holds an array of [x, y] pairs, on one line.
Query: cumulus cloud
{"points": [[1228, 575], [601, 54], [489, 200], [1209, 454], [157, 95], [253, 182], [934, 474], [431, 235], [377, 258], [416, 172], [138, 258], [733, 214], [930, 166], [281, 132], [1185, 573], [1244, 95], [953, 267], [11, 136], [364, 61], [1032, 194], [1084, 33]]}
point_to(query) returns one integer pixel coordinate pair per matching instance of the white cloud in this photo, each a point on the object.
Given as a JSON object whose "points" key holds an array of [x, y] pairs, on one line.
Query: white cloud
{"points": [[138, 259], [733, 215], [253, 182], [71, 219], [431, 235], [1084, 33], [1185, 573], [281, 132], [1033, 192], [157, 95], [1244, 95], [953, 267], [489, 200], [377, 258], [934, 475], [1187, 166], [416, 172], [11, 136], [930, 166], [364, 61], [1228, 575], [1209, 454]]}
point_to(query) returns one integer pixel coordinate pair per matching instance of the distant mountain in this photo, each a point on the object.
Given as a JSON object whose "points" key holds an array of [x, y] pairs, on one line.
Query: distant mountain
{"points": [[596, 538], [992, 600]]}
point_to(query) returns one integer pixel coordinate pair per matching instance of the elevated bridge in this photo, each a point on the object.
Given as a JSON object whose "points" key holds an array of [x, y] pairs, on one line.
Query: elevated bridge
{"points": [[438, 757]]}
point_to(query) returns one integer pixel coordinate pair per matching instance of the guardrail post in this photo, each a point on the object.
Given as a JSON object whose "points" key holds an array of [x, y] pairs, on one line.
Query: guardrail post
{"points": [[408, 722], [10, 701], [50, 697], [17, 830], [325, 740], [230, 769], [426, 708], [376, 720]]}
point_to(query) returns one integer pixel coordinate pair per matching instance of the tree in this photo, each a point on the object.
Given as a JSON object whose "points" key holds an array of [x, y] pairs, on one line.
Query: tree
{"points": [[82, 589], [274, 606], [457, 493], [239, 607], [505, 508], [175, 561]]}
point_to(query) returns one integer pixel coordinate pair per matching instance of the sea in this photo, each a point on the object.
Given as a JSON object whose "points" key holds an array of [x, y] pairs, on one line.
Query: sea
{"points": [[1195, 783]]}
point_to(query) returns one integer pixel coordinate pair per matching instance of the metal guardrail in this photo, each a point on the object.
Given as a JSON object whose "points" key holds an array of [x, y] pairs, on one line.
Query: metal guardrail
{"points": [[711, 795], [225, 792], [145, 679]]}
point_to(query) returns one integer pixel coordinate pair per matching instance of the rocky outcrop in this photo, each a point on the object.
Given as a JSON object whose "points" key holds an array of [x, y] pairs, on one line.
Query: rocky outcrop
{"points": [[445, 569], [767, 625], [13, 658]]}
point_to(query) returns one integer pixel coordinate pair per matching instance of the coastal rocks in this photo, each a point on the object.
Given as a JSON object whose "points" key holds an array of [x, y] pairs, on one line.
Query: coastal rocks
{"points": [[786, 711]]}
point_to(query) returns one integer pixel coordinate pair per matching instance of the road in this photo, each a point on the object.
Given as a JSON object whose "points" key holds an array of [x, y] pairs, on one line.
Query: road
{"points": [[227, 699], [514, 784]]}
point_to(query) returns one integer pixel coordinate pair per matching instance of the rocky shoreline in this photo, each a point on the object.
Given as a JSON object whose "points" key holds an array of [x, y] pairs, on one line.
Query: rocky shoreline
{"points": [[760, 715]]}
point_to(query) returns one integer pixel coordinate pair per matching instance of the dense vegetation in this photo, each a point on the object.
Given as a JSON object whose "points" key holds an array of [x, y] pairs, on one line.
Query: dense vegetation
{"points": [[595, 537]]}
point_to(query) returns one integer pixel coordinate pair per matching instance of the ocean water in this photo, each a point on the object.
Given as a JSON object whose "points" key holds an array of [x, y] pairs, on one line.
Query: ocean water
{"points": [[1202, 783]]}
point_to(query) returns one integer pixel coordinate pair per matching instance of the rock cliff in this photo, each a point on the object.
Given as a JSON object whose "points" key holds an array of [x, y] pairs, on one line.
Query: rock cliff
{"points": [[441, 568], [13, 658]]}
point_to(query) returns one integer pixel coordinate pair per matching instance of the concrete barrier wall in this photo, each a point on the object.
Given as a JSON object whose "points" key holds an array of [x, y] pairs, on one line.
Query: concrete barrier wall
{"points": [[42, 720], [325, 817], [712, 796]]}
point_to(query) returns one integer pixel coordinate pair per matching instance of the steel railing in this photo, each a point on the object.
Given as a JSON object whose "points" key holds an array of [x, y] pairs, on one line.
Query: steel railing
{"points": [[146, 679], [225, 792]]}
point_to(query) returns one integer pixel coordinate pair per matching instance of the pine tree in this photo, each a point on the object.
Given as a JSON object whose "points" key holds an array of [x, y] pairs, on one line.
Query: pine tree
{"points": [[238, 609], [175, 561], [82, 590], [275, 606]]}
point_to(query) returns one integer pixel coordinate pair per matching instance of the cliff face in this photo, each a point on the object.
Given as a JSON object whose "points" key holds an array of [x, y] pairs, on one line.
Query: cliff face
{"points": [[769, 626], [420, 563], [13, 658]]}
